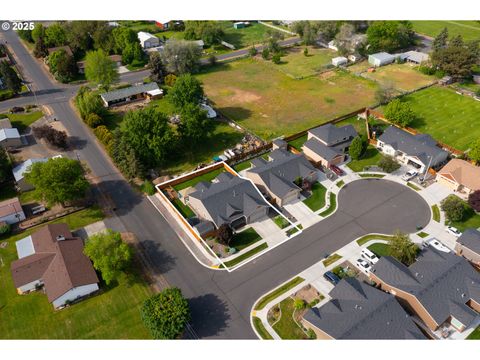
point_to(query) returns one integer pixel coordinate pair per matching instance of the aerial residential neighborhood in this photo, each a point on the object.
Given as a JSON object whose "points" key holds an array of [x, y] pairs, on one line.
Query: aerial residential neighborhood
{"points": [[240, 179]]}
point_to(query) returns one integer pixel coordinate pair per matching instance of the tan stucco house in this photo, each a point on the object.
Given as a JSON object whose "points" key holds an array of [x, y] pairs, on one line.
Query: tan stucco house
{"points": [[460, 175]]}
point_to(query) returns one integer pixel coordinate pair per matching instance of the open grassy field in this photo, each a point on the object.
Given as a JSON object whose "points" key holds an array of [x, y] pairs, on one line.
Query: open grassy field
{"points": [[470, 30], [404, 77], [447, 116], [269, 103], [113, 313], [296, 65], [240, 38]]}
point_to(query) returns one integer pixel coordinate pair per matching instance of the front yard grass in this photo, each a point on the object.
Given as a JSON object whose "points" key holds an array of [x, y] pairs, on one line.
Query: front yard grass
{"points": [[269, 103], [413, 186], [340, 183], [363, 240], [470, 220], [286, 327], [331, 259], [436, 213], [332, 207], [475, 334], [23, 120], [245, 256], [316, 200], [264, 334], [370, 157], [244, 239], [380, 249], [281, 222], [422, 234], [277, 292]]}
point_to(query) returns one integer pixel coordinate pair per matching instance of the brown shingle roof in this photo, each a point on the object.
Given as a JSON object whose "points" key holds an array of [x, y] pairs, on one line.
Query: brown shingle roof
{"points": [[463, 173], [10, 206], [61, 264]]}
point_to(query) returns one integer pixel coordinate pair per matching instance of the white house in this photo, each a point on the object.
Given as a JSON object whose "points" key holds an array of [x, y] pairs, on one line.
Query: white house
{"points": [[11, 211], [148, 40]]}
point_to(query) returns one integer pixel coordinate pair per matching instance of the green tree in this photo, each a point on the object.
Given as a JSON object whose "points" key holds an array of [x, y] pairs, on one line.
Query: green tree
{"points": [[38, 32], [356, 148], [454, 208], [186, 90], [157, 69], [252, 51], [89, 102], [122, 37], [388, 164], [210, 32], [344, 39], [109, 254], [305, 51], [5, 166], [132, 52], [441, 40], [385, 92], [399, 113], [10, 77], [100, 69], [62, 65], [55, 35], [195, 126], [40, 49], [402, 248], [265, 53], [276, 58], [474, 152], [58, 180], [457, 58], [181, 56], [166, 314], [225, 234], [390, 35], [125, 157]]}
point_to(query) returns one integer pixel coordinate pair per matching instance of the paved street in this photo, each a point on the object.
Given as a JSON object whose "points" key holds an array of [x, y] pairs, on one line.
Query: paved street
{"points": [[221, 301]]}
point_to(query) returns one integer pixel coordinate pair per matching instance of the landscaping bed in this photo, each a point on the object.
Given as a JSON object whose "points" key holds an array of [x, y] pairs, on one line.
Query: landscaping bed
{"points": [[332, 207]]}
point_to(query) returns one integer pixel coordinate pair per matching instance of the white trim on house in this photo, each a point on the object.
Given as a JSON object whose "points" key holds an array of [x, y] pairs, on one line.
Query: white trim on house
{"points": [[74, 294]]}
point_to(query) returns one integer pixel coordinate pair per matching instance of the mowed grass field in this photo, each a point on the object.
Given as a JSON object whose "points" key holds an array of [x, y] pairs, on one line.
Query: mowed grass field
{"points": [[404, 77], [447, 116], [270, 103], [470, 30]]}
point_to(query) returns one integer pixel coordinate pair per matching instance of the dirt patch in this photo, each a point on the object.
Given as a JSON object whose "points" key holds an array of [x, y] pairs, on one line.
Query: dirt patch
{"points": [[327, 75], [308, 293], [243, 96]]}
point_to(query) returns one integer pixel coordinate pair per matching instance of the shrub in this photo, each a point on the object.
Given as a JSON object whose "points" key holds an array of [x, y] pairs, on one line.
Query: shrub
{"points": [[225, 234], [399, 113], [93, 120], [427, 70], [311, 334], [305, 51], [356, 148], [170, 79], [6, 94], [474, 200], [276, 58], [4, 228], [388, 164], [265, 53], [454, 208], [252, 51], [53, 136], [148, 188], [103, 134], [299, 304]]}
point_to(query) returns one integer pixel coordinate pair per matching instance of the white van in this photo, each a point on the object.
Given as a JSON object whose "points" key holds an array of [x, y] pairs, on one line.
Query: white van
{"points": [[370, 256]]}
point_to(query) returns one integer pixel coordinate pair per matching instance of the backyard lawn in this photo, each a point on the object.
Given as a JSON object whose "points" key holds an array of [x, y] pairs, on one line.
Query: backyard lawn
{"points": [[316, 201], [380, 249], [298, 142], [286, 327], [207, 177], [269, 103], [22, 120], [447, 116], [470, 30], [358, 124], [371, 157], [244, 239], [185, 210]]}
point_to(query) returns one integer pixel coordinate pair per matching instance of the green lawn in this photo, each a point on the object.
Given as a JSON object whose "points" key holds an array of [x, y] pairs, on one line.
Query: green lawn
{"points": [[358, 124], [298, 142], [378, 176], [475, 334], [244, 239], [286, 327], [114, 313], [269, 103], [137, 65], [379, 249], [264, 334], [240, 38], [27, 197], [371, 157], [244, 165], [363, 240], [207, 177], [470, 30], [245, 256], [22, 120], [332, 207], [340, 183], [470, 220], [277, 292], [446, 116], [281, 222], [436, 213], [296, 65], [413, 186], [331, 259], [316, 201], [422, 234], [183, 209]]}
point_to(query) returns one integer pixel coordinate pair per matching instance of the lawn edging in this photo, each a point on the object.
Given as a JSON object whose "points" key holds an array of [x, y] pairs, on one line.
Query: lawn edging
{"points": [[366, 238], [282, 289]]}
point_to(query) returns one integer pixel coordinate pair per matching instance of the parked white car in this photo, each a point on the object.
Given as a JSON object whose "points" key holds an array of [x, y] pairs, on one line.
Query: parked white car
{"points": [[409, 175], [454, 231], [369, 256], [364, 265]]}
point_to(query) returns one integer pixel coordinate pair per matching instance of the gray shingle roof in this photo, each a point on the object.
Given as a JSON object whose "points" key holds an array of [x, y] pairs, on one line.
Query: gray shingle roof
{"points": [[129, 91], [319, 148], [422, 146], [360, 311], [228, 198], [470, 239], [279, 173], [442, 282], [331, 134]]}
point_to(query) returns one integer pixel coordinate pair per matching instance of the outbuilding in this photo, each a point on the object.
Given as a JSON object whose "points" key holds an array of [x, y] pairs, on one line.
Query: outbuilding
{"points": [[381, 59], [147, 40], [10, 138], [339, 61], [11, 211]]}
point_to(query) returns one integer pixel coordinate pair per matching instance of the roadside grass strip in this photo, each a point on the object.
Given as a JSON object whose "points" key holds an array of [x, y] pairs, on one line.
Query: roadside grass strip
{"points": [[475, 334], [363, 240], [332, 207], [422, 234], [331, 259], [340, 183], [264, 334], [281, 222], [277, 292], [435, 213], [241, 258], [413, 186], [368, 175]]}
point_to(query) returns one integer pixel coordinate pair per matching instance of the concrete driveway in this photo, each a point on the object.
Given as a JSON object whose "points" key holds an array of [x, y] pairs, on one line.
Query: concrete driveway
{"points": [[302, 213], [269, 231]]}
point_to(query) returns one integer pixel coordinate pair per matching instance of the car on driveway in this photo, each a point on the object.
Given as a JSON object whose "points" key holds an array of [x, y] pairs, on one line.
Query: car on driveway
{"points": [[409, 175], [331, 277], [336, 170], [369, 256], [364, 265], [454, 231]]}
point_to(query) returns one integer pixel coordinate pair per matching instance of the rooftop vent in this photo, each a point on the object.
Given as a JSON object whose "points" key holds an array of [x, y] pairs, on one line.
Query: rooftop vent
{"points": [[60, 238]]}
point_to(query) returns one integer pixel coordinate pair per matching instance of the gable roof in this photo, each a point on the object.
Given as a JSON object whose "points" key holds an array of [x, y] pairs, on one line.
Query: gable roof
{"points": [[228, 197], [330, 134], [437, 279], [129, 91], [463, 172], [284, 167], [322, 150], [383, 56], [9, 133], [470, 238], [360, 311], [58, 260], [422, 146], [20, 170], [10, 206]]}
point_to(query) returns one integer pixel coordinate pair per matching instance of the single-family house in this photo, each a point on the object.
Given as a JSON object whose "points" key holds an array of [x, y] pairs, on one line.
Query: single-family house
{"points": [[228, 199], [117, 59], [360, 311], [416, 57], [11, 211], [468, 246], [21, 169], [53, 258], [381, 59], [420, 151], [460, 175], [282, 176], [147, 40], [440, 287], [132, 93], [328, 144], [10, 138], [339, 61]]}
